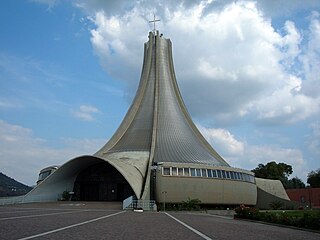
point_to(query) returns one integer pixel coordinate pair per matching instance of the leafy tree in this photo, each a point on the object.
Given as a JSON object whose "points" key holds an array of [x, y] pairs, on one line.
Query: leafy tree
{"points": [[273, 170], [294, 183], [314, 178]]}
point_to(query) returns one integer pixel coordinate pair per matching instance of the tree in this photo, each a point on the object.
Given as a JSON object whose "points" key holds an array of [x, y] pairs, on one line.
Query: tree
{"points": [[294, 183], [273, 170], [314, 178]]}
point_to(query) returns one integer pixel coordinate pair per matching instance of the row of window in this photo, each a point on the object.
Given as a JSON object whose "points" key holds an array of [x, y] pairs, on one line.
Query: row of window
{"points": [[207, 173]]}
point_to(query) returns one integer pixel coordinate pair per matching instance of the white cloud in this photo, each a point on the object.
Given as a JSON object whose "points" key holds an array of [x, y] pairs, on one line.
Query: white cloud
{"points": [[49, 3], [266, 153], [290, 43], [85, 113], [239, 153], [286, 105], [224, 140], [22, 154], [117, 40], [228, 62], [313, 140], [311, 59], [286, 8]]}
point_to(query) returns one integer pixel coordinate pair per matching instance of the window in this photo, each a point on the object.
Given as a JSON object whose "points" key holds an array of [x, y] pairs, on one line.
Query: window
{"points": [[174, 171], [198, 171], [238, 176], [232, 175], [209, 173], [204, 172], [166, 171], [180, 171], [246, 177], [251, 178], [214, 173], [186, 172], [223, 173], [193, 172], [241, 176], [228, 174], [219, 173], [43, 175]]}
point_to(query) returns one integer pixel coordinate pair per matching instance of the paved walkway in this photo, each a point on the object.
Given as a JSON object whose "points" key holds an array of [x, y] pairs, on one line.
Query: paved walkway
{"points": [[105, 221]]}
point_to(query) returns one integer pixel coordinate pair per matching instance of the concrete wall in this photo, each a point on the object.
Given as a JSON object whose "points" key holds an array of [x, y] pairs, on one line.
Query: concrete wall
{"points": [[270, 191], [208, 190], [265, 199]]}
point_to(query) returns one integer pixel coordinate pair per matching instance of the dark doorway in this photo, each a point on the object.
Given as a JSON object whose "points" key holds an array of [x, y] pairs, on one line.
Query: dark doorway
{"points": [[101, 182]]}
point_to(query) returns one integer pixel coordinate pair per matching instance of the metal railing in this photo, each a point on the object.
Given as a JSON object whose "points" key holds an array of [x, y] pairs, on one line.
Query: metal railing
{"points": [[11, 200], [131, 203], [127, 202], [26, 199]]}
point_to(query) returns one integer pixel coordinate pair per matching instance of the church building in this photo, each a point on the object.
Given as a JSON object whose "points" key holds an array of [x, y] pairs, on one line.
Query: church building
{"points": [[157, 153]]}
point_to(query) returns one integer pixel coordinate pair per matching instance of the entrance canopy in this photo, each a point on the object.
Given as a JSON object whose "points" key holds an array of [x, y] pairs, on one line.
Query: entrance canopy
{"points": [[132, 169]]}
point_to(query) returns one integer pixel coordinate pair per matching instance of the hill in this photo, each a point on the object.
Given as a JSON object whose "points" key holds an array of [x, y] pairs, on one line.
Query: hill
{"points": [[11, 187]]}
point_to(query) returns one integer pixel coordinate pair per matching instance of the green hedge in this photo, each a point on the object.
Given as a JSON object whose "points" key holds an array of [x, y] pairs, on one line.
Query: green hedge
{"points": [[304, 219]]}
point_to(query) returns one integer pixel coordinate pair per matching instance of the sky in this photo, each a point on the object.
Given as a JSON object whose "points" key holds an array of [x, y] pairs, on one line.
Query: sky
{"points": [[248, 72]]}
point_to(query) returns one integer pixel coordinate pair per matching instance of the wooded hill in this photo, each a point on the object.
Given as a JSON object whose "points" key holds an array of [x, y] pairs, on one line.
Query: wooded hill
{"points": [[11, 187]]}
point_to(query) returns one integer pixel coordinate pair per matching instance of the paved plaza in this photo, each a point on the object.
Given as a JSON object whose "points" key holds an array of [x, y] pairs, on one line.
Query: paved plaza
{"points": [[72, 220]]}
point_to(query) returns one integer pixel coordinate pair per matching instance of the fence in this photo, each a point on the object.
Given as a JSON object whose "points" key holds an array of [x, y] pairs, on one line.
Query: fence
{"points": [[131, 203]]}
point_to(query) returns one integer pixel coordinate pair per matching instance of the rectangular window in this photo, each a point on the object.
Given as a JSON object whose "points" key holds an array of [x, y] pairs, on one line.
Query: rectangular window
{"points": [[238, 176], [223, 173], [219, 173], [204, 172], [214, 173], [166, 171], [186, 172], [252, 178], [198, 171], [241, 177], [228, 174], [180, 171], [209, 173], [193, 172], [247, 178], [232, 175], [174, 171]]}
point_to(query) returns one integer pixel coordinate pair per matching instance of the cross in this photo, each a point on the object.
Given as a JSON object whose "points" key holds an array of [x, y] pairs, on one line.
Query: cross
{"points": [[154, 22]]}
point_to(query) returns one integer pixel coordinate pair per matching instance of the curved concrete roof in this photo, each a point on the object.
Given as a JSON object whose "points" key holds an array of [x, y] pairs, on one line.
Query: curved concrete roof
{"points": [[131, 165]]}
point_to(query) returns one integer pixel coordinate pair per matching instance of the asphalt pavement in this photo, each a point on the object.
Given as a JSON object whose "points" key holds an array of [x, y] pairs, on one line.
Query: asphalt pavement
{"points": [[85, 220]]}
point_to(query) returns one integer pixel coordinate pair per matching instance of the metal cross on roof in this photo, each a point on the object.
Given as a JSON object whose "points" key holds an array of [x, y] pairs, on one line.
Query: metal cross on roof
{"points": [[154, 22]]}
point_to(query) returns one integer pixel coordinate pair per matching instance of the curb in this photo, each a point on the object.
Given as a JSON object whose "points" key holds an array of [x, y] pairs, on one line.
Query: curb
{"points": [[278, 225]]}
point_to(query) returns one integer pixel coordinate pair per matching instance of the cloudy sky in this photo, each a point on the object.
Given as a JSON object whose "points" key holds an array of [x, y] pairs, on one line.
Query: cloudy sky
{"points": [[248, 72]]}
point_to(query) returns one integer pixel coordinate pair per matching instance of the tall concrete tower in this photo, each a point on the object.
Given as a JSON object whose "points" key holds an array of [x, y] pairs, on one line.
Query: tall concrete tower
{"points": [[158, 125]]}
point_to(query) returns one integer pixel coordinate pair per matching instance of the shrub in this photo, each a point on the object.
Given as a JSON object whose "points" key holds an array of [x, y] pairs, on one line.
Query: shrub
{"points": [[65, 196], [246, 212], [191, 204], [307, 219], [276, 205]]}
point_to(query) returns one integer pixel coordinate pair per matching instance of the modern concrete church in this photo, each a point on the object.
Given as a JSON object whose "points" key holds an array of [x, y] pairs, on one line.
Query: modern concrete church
{"points": [[157, 153]]}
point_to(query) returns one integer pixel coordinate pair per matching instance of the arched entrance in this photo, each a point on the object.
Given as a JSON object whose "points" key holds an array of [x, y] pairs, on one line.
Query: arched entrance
{"points": [[101, 182]]}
